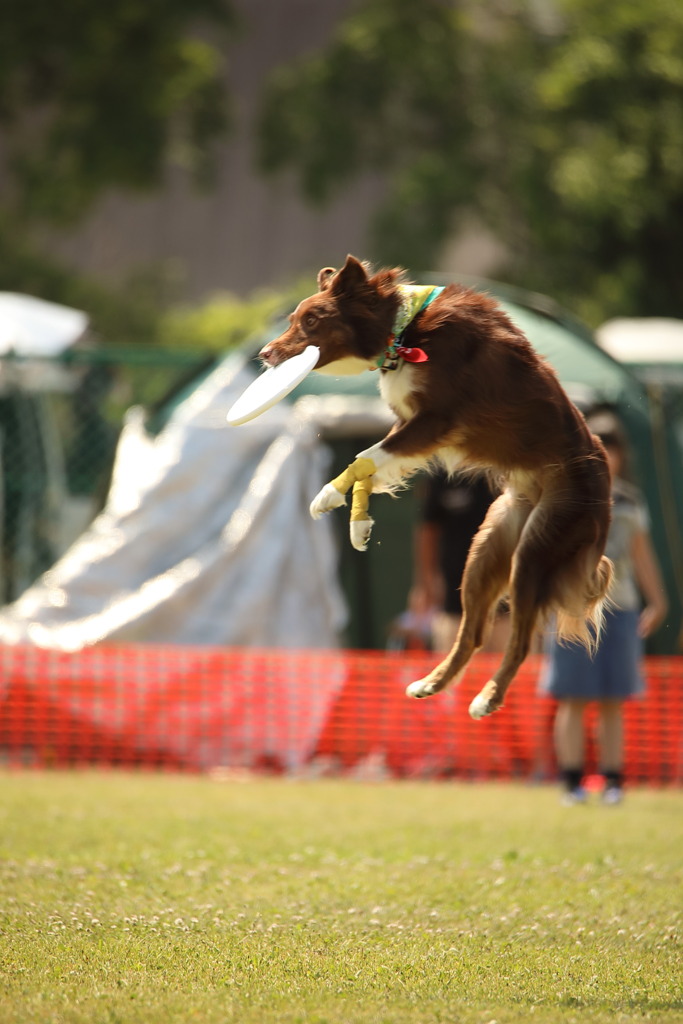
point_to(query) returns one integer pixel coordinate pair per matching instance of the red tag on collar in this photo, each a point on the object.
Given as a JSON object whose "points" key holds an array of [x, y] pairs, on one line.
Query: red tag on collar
{"points": [[412, 355]]}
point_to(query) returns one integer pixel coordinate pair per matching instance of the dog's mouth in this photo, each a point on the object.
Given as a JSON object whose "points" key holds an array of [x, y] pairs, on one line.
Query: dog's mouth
{"points": [[273, 354]]}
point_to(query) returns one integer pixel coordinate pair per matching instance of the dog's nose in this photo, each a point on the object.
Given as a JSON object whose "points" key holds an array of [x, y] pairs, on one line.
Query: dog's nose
{"points": [[266, 353]]}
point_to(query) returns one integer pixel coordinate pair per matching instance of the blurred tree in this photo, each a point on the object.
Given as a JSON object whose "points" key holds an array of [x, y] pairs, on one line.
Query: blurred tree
{"points": [[126, 314], [559, 124], [608, 135], [97, 95], [392, 92]]}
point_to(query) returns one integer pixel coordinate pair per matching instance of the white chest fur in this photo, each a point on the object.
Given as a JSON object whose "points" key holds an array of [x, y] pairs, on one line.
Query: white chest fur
{"points": [[397, 388]]}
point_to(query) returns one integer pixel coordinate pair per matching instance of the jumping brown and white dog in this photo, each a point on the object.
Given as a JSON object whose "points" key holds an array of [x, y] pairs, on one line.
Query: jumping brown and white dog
{"points": [[468, 391]]}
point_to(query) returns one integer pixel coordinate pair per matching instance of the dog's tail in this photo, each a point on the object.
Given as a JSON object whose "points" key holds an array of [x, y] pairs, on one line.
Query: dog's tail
{"points": [[580, 615]]}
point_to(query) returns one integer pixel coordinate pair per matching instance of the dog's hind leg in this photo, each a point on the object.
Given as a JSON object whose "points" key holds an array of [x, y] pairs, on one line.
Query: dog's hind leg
{"points": [[492, 695], [484, 581], [528, 585]]}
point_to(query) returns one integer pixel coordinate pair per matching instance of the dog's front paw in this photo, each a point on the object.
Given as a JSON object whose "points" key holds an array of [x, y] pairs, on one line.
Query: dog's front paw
{"points": [[326, 500], [359, 531]]}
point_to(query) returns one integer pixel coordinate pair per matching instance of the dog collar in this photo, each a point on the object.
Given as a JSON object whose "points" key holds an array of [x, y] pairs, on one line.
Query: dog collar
{"points": [[413, 299]]}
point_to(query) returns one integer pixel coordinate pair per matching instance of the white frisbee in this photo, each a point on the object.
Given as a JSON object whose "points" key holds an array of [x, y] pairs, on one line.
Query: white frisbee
{"points": [[272, 386]]}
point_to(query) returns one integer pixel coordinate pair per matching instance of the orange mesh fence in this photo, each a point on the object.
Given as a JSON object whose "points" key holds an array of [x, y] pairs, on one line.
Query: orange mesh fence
{"points": [[317, 712]]}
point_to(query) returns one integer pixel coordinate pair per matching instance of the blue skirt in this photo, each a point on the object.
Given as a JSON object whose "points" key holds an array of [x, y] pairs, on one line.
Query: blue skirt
{"points": [[613, 673]]}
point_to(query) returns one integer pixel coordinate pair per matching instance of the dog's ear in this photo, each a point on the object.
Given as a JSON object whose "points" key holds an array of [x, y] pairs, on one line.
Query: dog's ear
{"points": [[351, 276], [324, 278]]}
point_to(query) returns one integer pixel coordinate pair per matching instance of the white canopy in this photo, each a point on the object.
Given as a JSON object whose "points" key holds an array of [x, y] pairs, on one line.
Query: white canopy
{"points": [[642, 340], [34, 328]]}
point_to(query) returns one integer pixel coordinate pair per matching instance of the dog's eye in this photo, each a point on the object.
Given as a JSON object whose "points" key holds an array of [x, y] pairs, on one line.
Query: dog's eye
{"points": [[311, 319]]}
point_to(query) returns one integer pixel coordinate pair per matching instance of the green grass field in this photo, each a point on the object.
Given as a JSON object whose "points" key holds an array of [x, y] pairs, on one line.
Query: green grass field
{"points": [[151, 899]]}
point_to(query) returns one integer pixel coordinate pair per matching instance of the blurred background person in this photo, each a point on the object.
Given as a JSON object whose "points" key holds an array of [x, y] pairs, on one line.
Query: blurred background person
{"points": [[613, 674]]}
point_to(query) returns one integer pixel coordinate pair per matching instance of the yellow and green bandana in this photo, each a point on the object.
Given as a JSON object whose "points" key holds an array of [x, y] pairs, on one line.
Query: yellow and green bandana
{"points": [[414, 298]]}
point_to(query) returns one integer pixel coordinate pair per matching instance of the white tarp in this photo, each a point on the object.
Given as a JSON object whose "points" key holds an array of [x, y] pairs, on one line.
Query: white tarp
{"points": [[205, 539]]}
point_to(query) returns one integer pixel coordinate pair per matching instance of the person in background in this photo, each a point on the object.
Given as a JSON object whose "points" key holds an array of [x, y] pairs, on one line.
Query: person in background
{"points": [[638, 605], [452, 511]]}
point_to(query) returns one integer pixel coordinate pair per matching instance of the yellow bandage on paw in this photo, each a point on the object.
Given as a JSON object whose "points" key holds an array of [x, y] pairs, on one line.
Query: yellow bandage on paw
{"points": [[359, 470], [362, 489]]}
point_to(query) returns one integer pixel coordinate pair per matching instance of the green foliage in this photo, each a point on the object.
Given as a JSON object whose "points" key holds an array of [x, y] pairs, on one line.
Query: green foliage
{"points": [[141, 312], [97, 95], [611, 97], [563, 134], [166, 899], [391, 93], [390, 79], [226, 320]]}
